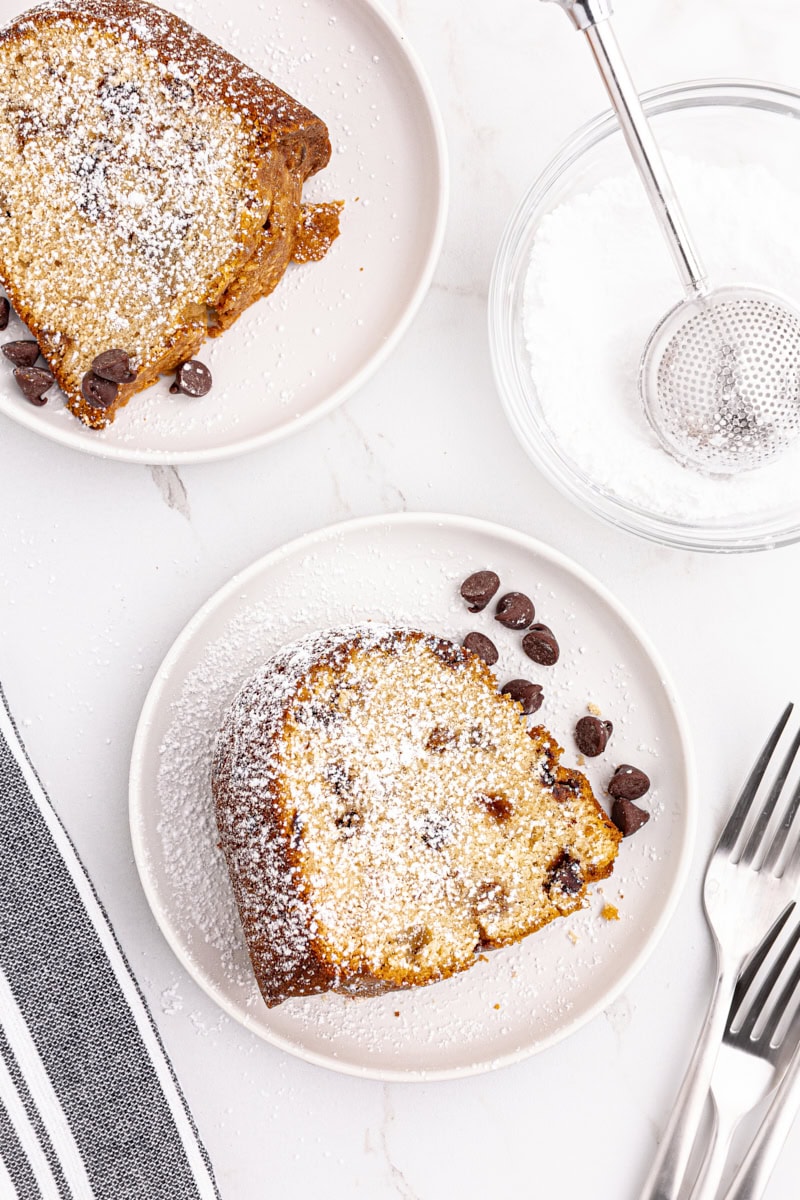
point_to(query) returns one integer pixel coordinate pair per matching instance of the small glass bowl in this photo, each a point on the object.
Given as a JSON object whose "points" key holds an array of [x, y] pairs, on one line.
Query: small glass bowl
{"points": [[715, 121]]}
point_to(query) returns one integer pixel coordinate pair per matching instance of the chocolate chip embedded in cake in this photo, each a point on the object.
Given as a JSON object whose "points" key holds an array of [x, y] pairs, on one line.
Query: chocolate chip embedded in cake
{"points": [[529, 695], [386, 848], [483, 646], [114, 364], [97, 392]]}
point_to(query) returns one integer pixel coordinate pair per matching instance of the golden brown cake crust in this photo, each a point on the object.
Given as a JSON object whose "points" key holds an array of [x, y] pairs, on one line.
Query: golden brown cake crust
{"points": [[273, 144], [388, 857]]}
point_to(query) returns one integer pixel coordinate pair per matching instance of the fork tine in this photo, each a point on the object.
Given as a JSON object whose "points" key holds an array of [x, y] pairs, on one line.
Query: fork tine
{"points": [[757, 833], [791, 1037], [733, 826], [781, 834], [756, 1009], [780, 1005], [756, 961]]}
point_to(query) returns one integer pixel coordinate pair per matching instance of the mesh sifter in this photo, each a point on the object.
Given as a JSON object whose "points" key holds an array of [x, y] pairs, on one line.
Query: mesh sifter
{"points": [[720, 374]]}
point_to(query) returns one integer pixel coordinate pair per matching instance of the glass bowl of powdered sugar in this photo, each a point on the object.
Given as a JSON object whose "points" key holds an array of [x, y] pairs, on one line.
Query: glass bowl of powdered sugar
{"points": [[583, 275]]}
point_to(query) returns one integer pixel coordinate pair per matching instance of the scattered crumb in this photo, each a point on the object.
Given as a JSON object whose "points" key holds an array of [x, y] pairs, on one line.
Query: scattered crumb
{"points": [[397, 1014], [609, 912], [497, 1005], [594, 710], [573, 937]]}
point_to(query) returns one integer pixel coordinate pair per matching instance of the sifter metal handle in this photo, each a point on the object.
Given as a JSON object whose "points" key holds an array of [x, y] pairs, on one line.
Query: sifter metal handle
{"points": [[591, 17]]}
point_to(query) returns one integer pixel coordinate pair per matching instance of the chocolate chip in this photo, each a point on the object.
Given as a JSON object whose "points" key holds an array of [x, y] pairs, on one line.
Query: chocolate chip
{"points": [[566, 788], [5, 312], [21, 354], [491, 898], [564, 875], [416, 938], [628, 817], [483, 646], [479, 588], [316, 715], [514, 610], [98, 392], [540, 644], [192, 378], [440, 739], [348, 823], [33, 382], [480, 738], [436, 831], [446, 652], [628, 783], [114, 365], [496, 804], [591, 735], [529, 694], [119, 101], [545, 774], [338, 778], [181, 92]]}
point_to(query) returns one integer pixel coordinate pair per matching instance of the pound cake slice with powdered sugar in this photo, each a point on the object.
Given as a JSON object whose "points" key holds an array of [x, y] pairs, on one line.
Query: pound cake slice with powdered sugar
{"points": [[386, 816], [150, 190]]}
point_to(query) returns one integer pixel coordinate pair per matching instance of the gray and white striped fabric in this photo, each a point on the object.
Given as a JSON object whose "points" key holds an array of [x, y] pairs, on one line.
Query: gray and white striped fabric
{"points": [[90, 1108]]}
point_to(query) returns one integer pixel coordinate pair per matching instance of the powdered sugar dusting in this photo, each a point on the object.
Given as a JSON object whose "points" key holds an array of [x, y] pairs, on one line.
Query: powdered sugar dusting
{"points": [[547, 983], [137, 182], [308, 343], [383, 812]]}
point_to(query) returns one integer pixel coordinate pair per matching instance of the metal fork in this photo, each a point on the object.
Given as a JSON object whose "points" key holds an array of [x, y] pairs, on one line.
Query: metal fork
{"points": [[746, 890], [753, 1175], [757, 1044]]}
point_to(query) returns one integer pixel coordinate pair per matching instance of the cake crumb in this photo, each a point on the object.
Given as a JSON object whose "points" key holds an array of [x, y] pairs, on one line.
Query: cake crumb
{"points": [[609, 912]]}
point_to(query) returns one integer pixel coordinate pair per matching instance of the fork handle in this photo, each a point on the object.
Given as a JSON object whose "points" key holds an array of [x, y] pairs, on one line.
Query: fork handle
{"points": [[726, 1118], [672, 1157], [751, 1179]]}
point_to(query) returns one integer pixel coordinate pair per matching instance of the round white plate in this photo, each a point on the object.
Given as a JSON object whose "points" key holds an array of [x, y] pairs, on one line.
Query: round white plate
{"points": [[406, 569], [296, 354]]}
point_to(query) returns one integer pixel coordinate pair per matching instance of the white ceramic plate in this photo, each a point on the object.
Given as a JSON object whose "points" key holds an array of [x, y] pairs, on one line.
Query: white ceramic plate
{"points": [[295, 355], [407, 569]]}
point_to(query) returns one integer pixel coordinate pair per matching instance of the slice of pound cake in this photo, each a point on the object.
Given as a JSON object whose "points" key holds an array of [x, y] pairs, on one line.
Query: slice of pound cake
{"points": [[386, 816], [150, 190]]}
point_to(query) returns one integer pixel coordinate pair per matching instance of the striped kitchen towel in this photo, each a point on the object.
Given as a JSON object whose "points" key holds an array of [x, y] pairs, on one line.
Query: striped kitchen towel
{"points": [[90, 1108]]}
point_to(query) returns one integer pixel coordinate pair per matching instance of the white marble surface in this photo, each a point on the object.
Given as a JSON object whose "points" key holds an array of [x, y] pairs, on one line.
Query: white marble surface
{"points": [[101, 564]]}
